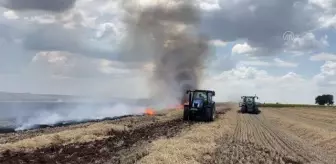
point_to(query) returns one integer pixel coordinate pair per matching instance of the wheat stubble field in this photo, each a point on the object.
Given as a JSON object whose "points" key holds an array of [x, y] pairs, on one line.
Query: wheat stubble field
{"points": [[286, 135]]}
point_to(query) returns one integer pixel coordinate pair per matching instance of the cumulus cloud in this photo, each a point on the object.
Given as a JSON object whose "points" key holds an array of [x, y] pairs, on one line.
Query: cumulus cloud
{"points": [[327, 76], [218, 43], [56, 38], [326, 12], [10, 14], [64, 64], [244, 80], [57, 72], [244, 48], [307, 43], [67, 30], [262, 23]]}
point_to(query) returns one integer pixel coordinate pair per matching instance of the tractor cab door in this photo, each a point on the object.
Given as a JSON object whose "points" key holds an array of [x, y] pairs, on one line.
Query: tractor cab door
{"points": [[209, 97], [210, 102]]}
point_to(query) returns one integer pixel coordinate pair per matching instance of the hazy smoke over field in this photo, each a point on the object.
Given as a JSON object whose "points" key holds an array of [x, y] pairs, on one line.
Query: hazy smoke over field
{"points": [[167, 36], [21, 116]]}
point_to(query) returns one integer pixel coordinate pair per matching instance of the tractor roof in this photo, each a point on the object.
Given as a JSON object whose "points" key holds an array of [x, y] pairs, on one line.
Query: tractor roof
{"points": [[200, 90], [250, 97]]}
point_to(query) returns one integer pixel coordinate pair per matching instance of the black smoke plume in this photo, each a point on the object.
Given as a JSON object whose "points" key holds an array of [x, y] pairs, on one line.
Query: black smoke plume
{"points": [[167, 35]]}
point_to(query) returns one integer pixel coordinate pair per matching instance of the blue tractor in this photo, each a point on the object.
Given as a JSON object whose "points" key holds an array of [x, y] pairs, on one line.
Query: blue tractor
{"points": [[200, 105]]}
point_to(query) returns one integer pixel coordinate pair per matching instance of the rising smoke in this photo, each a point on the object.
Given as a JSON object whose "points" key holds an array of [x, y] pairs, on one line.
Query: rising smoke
{"points": [[167, 35]]}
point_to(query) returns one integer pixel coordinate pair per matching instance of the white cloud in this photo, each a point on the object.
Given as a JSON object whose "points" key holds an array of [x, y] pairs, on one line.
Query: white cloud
{"points": [[218, 43], [244, 48], [209, 5], [327, 17], [230, 85], [58, 72], [275, 63], [307, 43], [282, 63], [10, 14], [325, 4], [328, 21], [134, 86], [323, 57], [64, 64], [327, 76], [41, 19], [241, 73], [259, 22], [255, 63]]}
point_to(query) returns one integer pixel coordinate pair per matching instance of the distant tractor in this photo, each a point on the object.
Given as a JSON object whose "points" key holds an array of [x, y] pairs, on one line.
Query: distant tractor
{"points": [[201, 105], [249, 105]]}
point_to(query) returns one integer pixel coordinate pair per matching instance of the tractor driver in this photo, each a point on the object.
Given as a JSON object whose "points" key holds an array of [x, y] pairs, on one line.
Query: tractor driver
{"points": [[200, 95]]}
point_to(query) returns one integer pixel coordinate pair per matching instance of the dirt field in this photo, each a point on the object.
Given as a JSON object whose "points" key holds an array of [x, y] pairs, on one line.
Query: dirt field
{"points": [[286, 135]]}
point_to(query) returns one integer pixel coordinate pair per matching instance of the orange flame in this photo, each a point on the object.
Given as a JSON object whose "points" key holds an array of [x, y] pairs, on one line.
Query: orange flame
{"points": [[149, 111], [180, 106]]}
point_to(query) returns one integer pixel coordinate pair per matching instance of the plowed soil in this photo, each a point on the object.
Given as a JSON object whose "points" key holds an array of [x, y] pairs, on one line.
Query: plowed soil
{"points": [[286, 135], [268, 138]]}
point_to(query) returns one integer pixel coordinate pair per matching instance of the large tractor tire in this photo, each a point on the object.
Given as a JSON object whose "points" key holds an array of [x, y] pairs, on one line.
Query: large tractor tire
{"points": [[186, 114], [243, 109], [256, 110], [214, 113], [209, 115]]}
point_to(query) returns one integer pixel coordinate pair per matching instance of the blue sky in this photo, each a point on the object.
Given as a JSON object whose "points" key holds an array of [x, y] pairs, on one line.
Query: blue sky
{"points": [[80, 48]]}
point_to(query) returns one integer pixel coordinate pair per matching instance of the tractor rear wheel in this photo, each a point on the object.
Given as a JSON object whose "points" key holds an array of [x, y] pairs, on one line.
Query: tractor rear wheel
{"points": [[209, 115], [256, 110], [213, 113], [243, 109], [186, 114]]}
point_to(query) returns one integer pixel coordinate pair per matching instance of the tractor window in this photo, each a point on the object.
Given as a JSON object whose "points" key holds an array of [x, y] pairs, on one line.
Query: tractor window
{"points": [[249, 99], [200, 95]]}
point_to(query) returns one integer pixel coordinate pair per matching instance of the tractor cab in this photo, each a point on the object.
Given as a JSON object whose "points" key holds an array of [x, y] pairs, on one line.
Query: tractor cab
{"points": [[199, 99]]}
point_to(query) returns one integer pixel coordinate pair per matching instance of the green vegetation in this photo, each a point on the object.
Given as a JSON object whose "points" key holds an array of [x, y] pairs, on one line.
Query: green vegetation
{"points": [[278, 105], [325, 99]]}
